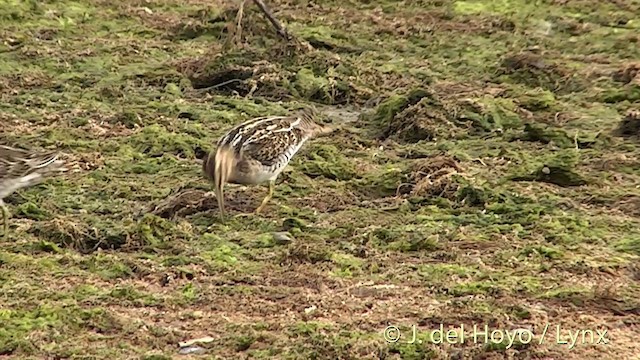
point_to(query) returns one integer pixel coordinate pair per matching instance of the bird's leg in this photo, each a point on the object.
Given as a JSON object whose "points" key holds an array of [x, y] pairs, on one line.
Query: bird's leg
{"points": [[272, 185], [220, 199], [4, 220]]}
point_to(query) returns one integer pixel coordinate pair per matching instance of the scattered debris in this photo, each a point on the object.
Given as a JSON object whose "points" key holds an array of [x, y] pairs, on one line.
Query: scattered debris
{"points": [[282, 238], [166, 279], [191, 350], [204, 340]]}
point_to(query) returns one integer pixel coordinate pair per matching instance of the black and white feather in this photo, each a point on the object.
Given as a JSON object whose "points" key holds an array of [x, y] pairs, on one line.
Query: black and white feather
{"points": [[265, 145], [258, 150], [21, 168]]}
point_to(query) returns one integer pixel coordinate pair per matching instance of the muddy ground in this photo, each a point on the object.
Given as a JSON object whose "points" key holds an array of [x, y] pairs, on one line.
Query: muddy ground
{"points": [[486, 173]]}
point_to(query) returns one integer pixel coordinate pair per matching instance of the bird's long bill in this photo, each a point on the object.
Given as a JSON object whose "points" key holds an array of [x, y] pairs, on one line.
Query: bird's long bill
{"points": [[224, 161], [324, 130]]}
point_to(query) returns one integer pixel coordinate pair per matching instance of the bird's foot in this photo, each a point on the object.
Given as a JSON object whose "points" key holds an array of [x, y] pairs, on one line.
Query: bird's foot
{"points": [[263, 205]]}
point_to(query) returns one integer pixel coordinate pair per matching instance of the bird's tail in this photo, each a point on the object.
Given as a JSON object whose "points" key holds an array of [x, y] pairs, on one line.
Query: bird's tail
{"points": [[223, 162]]}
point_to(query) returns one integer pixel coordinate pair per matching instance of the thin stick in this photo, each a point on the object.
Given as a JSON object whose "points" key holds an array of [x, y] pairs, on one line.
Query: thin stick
{"points": [[238, 32], [235, 29], [279, 28]]}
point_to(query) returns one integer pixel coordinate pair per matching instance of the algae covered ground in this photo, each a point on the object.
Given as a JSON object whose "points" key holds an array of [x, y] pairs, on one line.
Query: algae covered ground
{"points": [[486, 172]]}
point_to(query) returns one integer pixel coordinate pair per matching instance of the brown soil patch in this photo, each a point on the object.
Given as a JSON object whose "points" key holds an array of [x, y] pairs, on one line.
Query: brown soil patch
{"points": [[184, 203], [192, 201], [327, 200]]}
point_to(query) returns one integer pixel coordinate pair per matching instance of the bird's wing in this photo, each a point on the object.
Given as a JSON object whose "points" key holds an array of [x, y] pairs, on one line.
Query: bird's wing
{"points": [[15, 163], [267, 139], [271, 147]]}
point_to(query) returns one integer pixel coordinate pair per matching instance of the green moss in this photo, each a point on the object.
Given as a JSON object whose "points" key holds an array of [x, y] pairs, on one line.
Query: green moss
{"points": [[311, 86], [554, 136], [480, 7], [348, 265], [381, 183], [387, 110], [630, 93], [557, 169], [221, 254], [490, 114], [536, 100], [325, 37], [32, 211], [156, 140], [405, 240], [47, 246], [630, 244], [439, 272], [546, 252], [18, 323], [329, 162], [154, 230]]}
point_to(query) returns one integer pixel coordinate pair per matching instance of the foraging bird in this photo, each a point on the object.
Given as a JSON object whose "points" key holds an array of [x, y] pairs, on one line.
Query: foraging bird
{"points": [[22, 168], [257, 151]]}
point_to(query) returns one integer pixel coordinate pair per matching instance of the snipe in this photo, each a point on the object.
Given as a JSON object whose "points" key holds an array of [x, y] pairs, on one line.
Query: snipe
{"points": [[23, 168], [257, 151]]}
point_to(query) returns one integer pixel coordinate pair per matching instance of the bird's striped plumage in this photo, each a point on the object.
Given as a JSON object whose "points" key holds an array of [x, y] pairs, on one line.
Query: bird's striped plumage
{"points": [[258, 150], [22, 168]]}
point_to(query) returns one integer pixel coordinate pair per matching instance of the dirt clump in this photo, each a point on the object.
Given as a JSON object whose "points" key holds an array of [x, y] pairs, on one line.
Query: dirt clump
{"points": [[189, 201], [629, 127], [184, 203], [435, 177], [426, 177], [417, 115], [629, 73], [330, 200], [426, 120], [78, 236], [534, 70], [427, 114]]}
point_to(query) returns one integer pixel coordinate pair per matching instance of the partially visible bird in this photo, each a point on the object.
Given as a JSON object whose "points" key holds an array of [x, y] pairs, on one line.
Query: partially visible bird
{"points": [[257, 150], [23, 168]]}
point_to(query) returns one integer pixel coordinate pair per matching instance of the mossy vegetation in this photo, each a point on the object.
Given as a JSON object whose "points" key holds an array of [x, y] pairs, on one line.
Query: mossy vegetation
{"points": [[485, 172]]}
